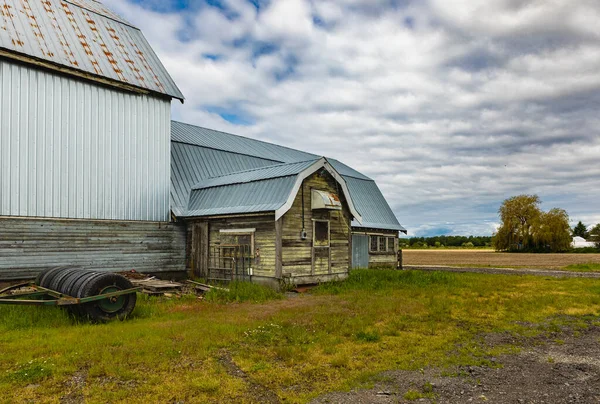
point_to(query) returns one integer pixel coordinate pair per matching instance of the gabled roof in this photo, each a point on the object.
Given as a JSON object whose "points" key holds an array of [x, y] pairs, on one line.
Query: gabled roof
{"points": [[274, 187], [82, 38], [197, 152]]}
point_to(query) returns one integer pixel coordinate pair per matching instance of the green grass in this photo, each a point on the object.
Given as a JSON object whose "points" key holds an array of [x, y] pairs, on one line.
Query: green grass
{"points": [[240, 292], [341, 336], [588, 267]]}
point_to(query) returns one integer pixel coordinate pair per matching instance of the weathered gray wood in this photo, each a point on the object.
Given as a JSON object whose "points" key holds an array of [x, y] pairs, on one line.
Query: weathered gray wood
{"points": [[278, 248], [29, 245]]}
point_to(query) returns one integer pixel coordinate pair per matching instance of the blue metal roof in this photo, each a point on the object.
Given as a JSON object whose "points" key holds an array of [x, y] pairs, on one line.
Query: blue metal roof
{"points": [[258, 196], [256, 174], [370, 202], [192, 164], [196, 135], [197, 151]]}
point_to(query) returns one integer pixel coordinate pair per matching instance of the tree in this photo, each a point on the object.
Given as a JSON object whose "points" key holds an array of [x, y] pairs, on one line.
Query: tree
{"points": [[554, 233], [520, 217], [594, 235], [526, 227], [580, 230]]}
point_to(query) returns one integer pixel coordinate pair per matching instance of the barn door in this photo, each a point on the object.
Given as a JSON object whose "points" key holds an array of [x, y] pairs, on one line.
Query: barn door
{"points": [[321, 255], [360, 251]]}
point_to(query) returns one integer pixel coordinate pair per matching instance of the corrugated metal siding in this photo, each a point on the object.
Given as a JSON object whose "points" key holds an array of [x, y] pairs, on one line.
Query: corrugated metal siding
{"points": [[28, 246], [83, 39], [370, 203], [190, 164], [259, 196], [71, 149], [257, 174]]}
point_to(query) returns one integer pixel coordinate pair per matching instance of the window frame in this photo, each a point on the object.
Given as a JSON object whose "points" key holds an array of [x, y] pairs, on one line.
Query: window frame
{"points": [[315, 245], [387, 239]]}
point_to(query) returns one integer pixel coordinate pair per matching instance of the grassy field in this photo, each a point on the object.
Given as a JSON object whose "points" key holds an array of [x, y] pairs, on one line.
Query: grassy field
{"points": [[339, 336], [490, 258]]}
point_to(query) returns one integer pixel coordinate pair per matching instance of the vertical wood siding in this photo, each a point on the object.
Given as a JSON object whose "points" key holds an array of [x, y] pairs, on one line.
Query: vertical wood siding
{"points": [[71, 149], [28, 246], [298, 253]]}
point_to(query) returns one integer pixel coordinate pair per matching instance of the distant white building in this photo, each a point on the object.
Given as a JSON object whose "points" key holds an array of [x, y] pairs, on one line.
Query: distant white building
{"points": [[580, 242]]}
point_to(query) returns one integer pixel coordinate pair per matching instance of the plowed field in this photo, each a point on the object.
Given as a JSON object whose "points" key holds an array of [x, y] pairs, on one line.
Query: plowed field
{"points": [[489, 258]]}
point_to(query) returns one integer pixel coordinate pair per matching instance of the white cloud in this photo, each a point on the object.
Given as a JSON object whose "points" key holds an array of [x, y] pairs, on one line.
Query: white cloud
{"points": [[451, 106]]}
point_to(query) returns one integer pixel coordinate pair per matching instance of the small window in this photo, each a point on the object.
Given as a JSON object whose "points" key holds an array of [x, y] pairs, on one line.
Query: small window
{"points": [[374, 241], [321, 234], [382, 244], [391, 243]]}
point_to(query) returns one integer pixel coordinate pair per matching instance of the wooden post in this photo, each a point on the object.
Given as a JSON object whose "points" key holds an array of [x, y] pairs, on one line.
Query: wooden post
{"points": [[350, 249], [204, 247], [399, 264], [279, 248]]}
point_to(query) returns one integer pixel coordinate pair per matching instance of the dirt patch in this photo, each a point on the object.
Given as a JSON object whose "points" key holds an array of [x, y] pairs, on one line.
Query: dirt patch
{"points": [[74, 386], [488, 258], [557, 371], [258, 392]]}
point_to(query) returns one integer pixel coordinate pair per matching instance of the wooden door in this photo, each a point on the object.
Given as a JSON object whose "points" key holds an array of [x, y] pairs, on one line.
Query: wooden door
{"points": [[321, 254]]}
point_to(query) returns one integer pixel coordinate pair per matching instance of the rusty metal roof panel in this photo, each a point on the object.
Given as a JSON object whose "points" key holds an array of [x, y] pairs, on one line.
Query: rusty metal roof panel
{"points": [[83, 36]]}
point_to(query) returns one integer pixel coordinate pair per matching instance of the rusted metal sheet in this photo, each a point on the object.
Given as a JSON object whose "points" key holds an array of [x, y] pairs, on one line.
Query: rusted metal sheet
{"points": [[83, 36], [27, 246], [72, 149]]}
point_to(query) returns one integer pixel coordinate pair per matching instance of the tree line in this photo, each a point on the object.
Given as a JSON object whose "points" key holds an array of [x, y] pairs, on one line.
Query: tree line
{"points": [[447, 241]]}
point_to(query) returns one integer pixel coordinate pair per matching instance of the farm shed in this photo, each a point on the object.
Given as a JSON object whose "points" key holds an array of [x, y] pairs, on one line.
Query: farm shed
{"points": [[85, 111], [247, 203]]}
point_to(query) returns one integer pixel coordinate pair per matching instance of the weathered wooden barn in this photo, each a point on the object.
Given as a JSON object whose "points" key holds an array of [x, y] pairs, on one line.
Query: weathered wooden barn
{"points": [[94, 173], [264, 212], [85, 114]]}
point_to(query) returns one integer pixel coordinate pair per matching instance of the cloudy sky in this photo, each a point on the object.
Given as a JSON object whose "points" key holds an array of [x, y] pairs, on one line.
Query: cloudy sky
{"points": [[451, 106]]}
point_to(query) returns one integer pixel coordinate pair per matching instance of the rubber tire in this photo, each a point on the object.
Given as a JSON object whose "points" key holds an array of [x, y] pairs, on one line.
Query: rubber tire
{"points": [[38, 278], [68, 282], [50, 274], [58, 279], [76, 287], [94, 287]]}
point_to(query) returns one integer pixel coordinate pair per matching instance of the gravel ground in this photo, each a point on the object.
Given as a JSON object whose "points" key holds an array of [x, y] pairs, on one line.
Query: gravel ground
{"points": [[557, 369]]}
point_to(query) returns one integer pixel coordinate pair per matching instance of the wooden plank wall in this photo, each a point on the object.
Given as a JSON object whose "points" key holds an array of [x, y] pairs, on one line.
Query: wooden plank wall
{"points": [[297, 253], [28, 245], [264, 238], [385, 259]]}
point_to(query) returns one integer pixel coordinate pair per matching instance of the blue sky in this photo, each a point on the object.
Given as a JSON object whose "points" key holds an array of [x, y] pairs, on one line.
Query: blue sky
{"points": [[450, 106]]}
